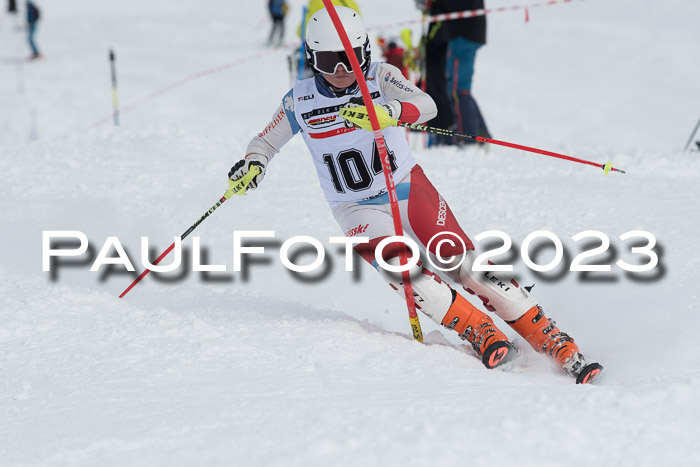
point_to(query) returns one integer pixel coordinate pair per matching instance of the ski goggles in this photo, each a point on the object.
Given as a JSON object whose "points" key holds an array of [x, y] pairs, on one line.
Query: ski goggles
{"points": [[328, 62]]}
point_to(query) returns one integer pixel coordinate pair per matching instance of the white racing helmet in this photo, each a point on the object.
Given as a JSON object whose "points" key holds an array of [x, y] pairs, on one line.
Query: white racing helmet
{"points": [[324, 49]]}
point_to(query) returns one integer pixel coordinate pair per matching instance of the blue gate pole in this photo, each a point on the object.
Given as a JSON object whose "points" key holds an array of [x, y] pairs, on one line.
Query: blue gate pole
{"points": [[302, 51]]}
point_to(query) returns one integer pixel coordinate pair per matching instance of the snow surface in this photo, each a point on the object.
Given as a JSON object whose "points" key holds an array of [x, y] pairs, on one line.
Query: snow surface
{"points": [[272, 370]]}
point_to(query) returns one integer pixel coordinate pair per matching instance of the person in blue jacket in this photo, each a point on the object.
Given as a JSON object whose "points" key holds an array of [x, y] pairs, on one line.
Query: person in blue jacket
{"points": [[33, 16], [464, 37], [278, 9], [450, 51]]}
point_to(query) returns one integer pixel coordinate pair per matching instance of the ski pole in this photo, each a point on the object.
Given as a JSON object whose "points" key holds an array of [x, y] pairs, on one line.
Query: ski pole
{"points": [[358, 116], [607, 167], [235, 188], [384, 159], [690, 140]]}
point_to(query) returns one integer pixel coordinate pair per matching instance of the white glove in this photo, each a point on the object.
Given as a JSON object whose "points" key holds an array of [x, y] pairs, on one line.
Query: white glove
{"points": [[243, 166]]}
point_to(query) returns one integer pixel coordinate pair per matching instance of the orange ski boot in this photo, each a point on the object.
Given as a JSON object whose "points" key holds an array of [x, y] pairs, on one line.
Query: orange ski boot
{"points": [[477, 328], [546, 338]]}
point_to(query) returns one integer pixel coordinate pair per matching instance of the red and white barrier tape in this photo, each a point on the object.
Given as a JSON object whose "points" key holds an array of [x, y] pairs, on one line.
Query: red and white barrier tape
{"points": [[428, 19], [471, 14], [170, 87]]}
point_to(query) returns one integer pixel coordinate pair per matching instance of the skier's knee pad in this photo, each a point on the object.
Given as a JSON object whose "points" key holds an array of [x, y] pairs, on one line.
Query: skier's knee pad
{"points": [[433, 297], [498, 292]]}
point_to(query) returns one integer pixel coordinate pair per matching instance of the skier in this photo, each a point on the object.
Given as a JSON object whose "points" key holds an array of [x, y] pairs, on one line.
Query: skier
{"points": [[350, 174]]}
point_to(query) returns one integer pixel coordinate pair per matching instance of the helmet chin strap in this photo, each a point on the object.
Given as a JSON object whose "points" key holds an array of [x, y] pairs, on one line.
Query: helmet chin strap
{"points": [[337, 89]]}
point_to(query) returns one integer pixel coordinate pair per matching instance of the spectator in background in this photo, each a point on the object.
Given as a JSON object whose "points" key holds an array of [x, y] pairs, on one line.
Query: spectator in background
{"points": [[434, 54], [393, 54], [278, 10], [464, 38], [33, 16], [12, 6]]}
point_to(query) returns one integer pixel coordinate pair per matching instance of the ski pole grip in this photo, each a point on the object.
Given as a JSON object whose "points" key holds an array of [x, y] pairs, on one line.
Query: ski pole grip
{"points": [[239, 187]]}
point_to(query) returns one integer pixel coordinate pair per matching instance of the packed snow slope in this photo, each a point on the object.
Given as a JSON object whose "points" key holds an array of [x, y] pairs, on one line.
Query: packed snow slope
{"points": [[266, 368]]}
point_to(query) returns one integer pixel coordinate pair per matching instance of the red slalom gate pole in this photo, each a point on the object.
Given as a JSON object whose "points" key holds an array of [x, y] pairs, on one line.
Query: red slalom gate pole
{"points": [[384, 158]]}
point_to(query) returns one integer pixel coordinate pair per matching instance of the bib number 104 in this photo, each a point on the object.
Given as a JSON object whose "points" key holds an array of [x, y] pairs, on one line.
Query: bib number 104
{"points": [[350, 171]]}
